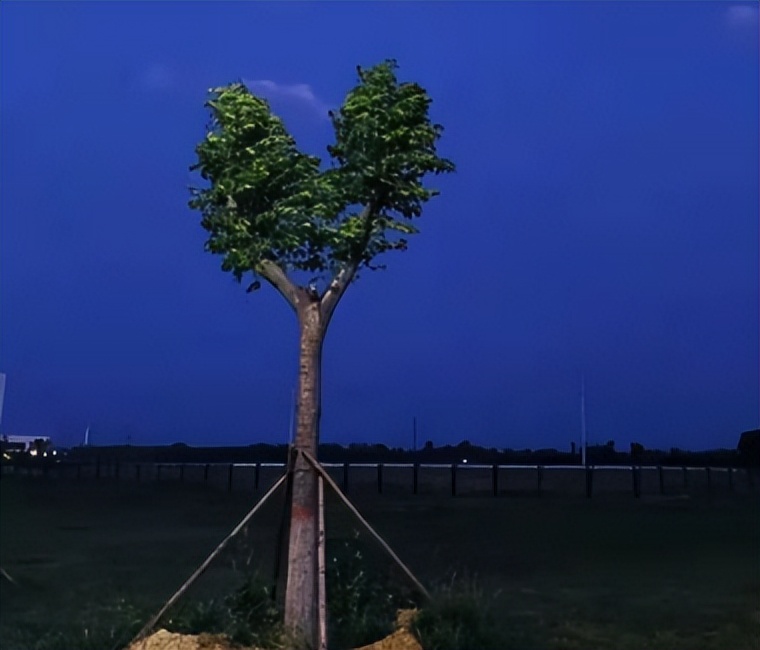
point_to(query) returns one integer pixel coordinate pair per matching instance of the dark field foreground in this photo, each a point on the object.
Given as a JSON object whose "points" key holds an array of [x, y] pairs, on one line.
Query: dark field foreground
{"points": [[671, 573]]}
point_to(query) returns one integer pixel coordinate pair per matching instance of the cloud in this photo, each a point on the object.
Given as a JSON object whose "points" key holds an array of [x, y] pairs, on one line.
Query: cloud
{"points": [[742, 16], [299, 94]]}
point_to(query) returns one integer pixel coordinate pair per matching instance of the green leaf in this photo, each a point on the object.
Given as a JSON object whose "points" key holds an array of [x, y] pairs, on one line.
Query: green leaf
{"points": [[265, 200]]}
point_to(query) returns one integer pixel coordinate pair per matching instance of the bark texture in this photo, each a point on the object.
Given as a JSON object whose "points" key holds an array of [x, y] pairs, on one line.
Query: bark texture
{"points": [[301, 590], [314, 313]]}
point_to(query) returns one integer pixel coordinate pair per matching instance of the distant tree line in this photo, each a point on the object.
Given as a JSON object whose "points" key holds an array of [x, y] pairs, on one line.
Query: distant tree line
{"points": [[747, 453]]}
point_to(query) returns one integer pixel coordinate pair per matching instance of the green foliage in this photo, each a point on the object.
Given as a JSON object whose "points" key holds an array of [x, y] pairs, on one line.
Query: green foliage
{"points": [[361, 598], [268, 201], [248, 616], [460, 617], [385, 143], [106, 625]]}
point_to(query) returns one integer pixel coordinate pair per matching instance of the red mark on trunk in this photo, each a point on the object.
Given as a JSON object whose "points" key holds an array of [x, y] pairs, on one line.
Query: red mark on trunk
{"points": [[300, 512]]}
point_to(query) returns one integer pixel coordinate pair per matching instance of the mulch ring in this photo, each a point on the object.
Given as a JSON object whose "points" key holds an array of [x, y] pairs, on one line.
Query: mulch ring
{"points": [[401, 639]]}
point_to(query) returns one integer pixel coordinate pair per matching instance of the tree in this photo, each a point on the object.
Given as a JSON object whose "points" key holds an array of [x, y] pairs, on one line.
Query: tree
{"points": [[275, 213], [749, 447]]}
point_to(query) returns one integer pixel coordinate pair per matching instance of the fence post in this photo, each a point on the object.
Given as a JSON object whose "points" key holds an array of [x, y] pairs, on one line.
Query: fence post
{"points": [[685, 477], [495, 479], [539, 477], [345, 478], [731, 478], [636, 482], [416, 476], [379, 478], [256, 476], [453, 479], [182, 473], [709, 479], [158, 472], [662, 480], [205, 473], [229, 478], [589, 481]]}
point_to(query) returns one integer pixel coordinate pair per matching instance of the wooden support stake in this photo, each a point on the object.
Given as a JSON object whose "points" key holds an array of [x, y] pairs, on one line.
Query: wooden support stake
{"points": [[205, 472], [416, 477], [158, 472], [662, 480], [495, 479], [229, 478], [321, 570], [453, 479], [182, 473], [196, 574], [709, 479], [321, 471], [345, 478], [256, 476], [281, 550], [7, 576], [685, 477], [379, 478], [731, 479], [589, 481]]}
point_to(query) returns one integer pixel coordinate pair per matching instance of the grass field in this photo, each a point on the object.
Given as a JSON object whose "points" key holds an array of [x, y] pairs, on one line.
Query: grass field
{"points": [[562, 572]]}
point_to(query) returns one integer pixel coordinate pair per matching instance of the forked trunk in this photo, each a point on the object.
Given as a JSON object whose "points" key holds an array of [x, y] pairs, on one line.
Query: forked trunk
{"points": [[301, 589]]}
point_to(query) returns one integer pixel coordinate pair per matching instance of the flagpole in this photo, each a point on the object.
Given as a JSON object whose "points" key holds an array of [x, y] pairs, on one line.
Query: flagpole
{"points": [[583, 420]]}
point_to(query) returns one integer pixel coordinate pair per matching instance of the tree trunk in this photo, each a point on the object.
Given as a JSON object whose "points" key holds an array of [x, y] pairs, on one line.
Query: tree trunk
{"points": [[301, 588]]}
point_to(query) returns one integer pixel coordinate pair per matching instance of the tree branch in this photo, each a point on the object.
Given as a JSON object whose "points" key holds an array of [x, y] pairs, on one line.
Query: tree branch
{"points": [[277, 278], [336, 290], [343, 278]]}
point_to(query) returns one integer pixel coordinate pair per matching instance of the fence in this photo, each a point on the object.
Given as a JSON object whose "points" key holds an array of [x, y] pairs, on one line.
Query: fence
{"points": [[427, 478]]}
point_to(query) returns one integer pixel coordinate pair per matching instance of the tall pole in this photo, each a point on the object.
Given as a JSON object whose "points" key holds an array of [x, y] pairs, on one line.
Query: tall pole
{"points": [[583, 420], [2, 394]]}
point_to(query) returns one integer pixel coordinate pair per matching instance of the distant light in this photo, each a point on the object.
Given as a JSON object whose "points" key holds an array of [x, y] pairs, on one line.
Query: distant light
{"points": [[464, 460], [44, 454], [32, 452], [55, 453]]}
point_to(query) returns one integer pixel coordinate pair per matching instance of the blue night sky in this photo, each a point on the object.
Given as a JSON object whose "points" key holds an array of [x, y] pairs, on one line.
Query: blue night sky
{"points": [[603, 220]]}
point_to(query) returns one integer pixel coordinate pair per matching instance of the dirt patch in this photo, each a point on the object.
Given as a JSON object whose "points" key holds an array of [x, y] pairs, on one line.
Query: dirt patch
{"points": [[401, 639], [164, 640]]}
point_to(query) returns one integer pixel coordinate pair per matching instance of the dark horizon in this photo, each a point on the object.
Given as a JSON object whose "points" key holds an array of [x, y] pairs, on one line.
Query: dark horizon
{"points": [[603, 222], [620, 448]]}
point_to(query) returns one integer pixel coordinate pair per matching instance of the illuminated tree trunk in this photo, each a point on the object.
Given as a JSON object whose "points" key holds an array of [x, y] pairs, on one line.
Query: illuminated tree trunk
{"points": [[301, 588]]}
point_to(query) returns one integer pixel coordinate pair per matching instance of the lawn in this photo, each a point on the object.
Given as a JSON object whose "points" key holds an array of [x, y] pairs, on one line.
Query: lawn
{"points": [[561, 572]]}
